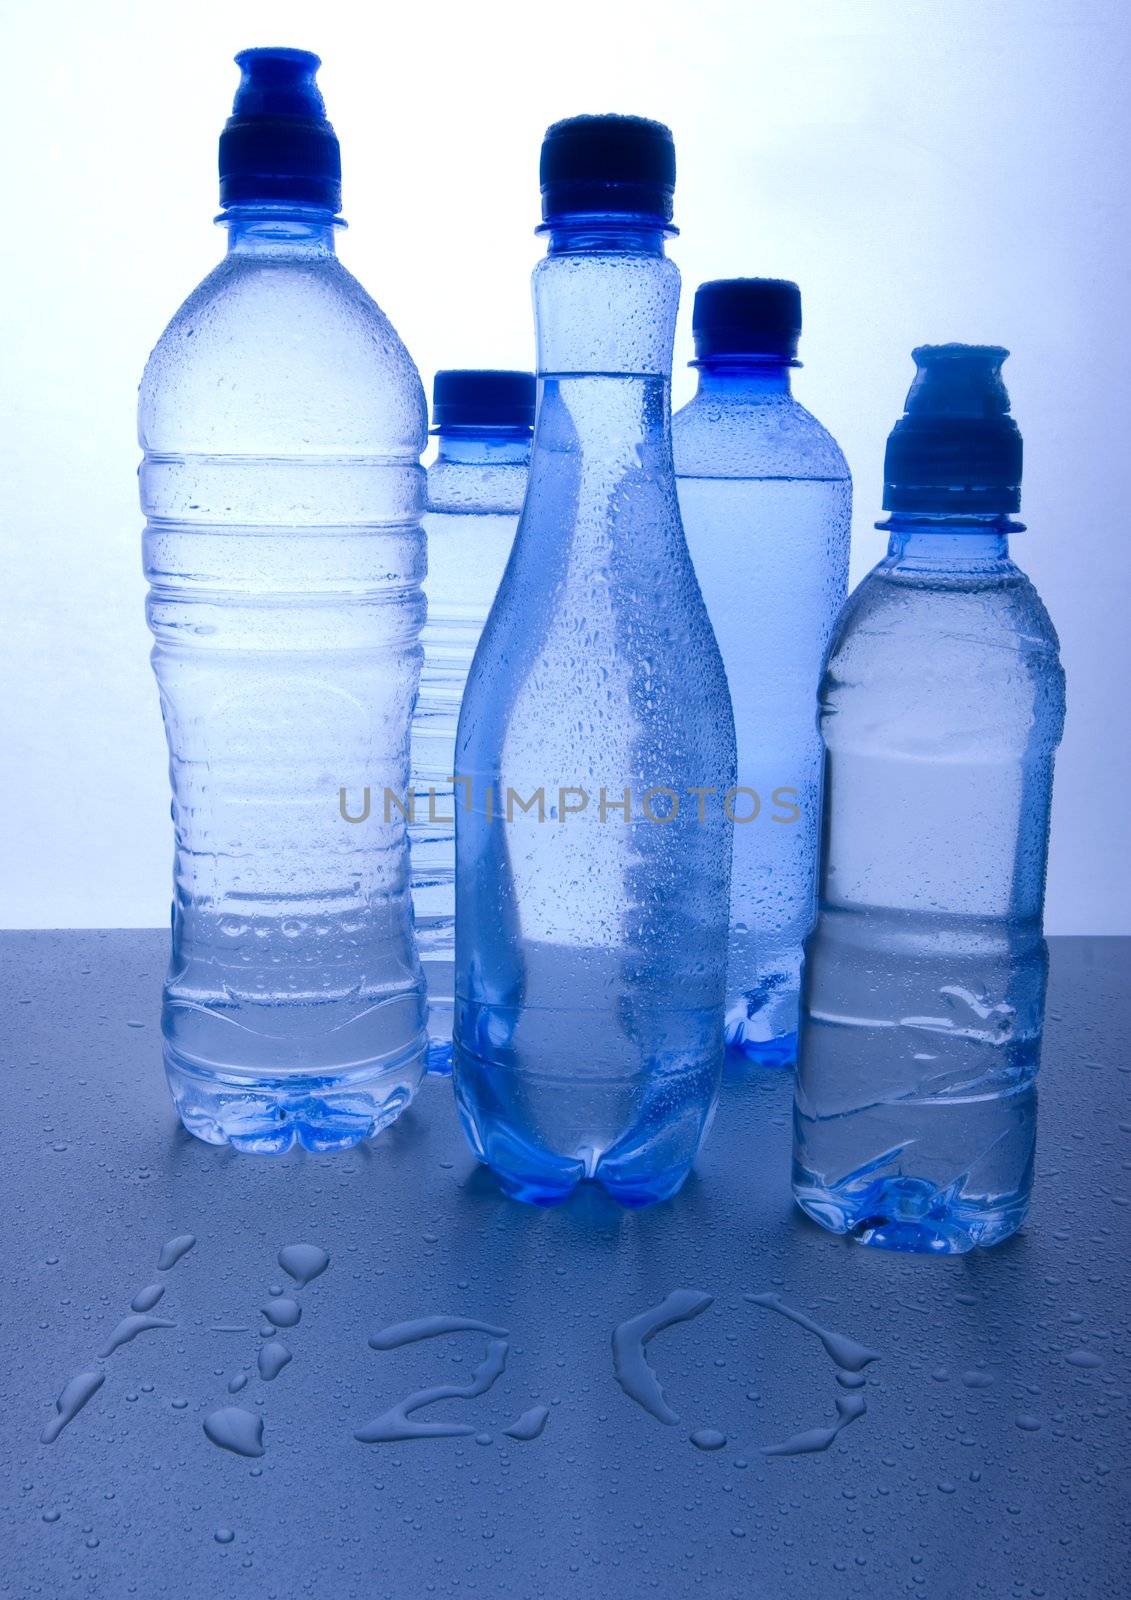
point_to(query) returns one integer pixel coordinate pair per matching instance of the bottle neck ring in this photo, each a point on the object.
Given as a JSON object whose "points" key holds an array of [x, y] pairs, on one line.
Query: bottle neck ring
{"points": [[272, 228], [604, 233], [749, 376]]}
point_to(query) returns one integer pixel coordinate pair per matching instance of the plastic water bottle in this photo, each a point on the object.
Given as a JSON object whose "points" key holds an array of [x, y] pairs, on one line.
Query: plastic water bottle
{"points": [[282, 423], [766, 499], [596, 741], [941, 710], [476, 487]]}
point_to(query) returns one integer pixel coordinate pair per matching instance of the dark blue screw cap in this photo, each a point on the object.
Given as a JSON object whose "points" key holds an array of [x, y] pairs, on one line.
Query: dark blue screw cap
{"points": [[468, 398], [277, 147], [747, 319], [610, 165], [956, 448]]}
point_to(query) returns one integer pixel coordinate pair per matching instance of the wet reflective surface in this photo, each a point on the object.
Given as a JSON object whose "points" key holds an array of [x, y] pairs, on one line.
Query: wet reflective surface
{"points": [[988, 1446]]}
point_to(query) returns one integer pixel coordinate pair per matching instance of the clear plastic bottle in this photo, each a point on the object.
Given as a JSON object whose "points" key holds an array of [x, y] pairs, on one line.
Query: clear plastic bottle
{"points": [[596, 739], [483, 421], [282, 423], [941, 709], [766, 499]]}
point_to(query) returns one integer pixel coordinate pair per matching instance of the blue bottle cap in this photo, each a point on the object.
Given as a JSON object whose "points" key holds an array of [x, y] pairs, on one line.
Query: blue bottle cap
{"points": [[747, 318], [277, 146], [610, 166], [469, 398], [956, 448]]}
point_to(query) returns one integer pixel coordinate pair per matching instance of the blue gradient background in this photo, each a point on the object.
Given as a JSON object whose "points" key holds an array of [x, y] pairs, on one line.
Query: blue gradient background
{"points": [[925, 171]]}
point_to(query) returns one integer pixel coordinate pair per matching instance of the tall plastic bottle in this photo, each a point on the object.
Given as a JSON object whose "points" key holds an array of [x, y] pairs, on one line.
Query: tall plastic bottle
{"points": [[941, 709], [476, 485], [766, 499], [282, 423], [596, 739]]}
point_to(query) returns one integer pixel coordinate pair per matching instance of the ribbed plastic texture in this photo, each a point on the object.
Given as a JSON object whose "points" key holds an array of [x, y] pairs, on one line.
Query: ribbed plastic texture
{"points": [[282, 422], [941, 709]]}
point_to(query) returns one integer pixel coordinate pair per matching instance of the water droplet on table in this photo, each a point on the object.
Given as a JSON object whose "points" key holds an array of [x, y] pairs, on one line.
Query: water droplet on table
{"points": [[529, 1425], [303, 1262], [129, 1328], [394, 1425], [849, 1407], [400, 1333], [173, 1249], [630, 1363], [845, 1352], [283, 1312], [74, 1396], [233, 1428], [273, 1357]]}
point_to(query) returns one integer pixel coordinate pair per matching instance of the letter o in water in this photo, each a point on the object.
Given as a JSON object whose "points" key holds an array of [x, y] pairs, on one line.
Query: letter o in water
{"points": [[670, 815], [729, 799]]}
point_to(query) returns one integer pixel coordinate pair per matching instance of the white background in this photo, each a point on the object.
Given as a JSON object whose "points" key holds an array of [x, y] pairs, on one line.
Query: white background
{"points": [[925, 171]]}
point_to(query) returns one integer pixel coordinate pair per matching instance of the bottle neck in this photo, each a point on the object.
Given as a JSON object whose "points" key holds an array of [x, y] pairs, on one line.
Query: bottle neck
{"points": [[743, 378], [292, 231], [605, 299], [484, 447], [955, 540]]}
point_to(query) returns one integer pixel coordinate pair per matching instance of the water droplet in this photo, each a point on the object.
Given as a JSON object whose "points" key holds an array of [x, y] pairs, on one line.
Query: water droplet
{"points": [[223, 1536], [630, 1363], [173, 1249], [1028, 1423], [273, 1357], [1083, 1358], [401, 1333], [529, 1425], [128, 1329], [845, 1352], [52, 1514], [237, 1382], [708, 1439], [283, 1313], [145, 1299], [233, 1428], [74, 1396], [303, 1262], [394, 1425], [849, 1407]]}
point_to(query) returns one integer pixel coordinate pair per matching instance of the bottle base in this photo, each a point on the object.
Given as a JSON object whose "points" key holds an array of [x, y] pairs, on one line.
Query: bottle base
{"points": [[780, 1054], [646, 1163], [267, 1116], [911, 1215], [548, 1188]]}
